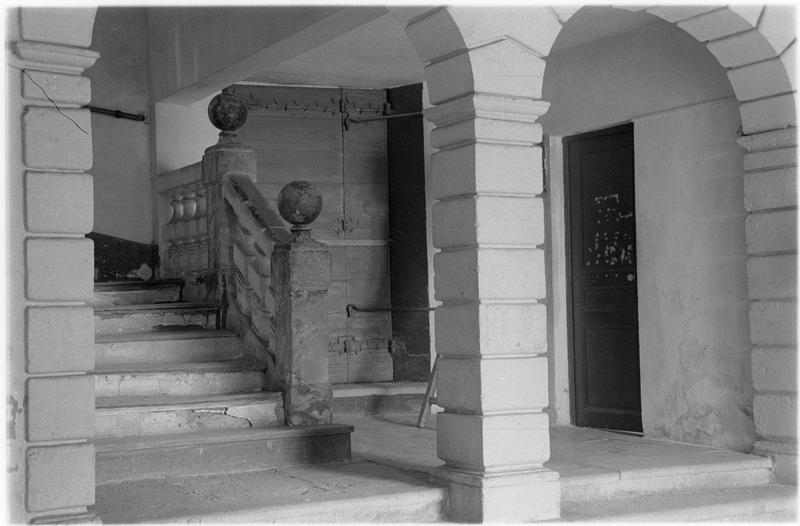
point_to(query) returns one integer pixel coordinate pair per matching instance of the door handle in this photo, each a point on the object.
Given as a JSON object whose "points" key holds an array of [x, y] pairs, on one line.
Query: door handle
{"points": [[630, 277]]}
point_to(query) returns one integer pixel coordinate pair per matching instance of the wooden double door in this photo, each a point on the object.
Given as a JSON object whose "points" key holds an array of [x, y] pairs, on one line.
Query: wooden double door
{"points": [[602, 259]]}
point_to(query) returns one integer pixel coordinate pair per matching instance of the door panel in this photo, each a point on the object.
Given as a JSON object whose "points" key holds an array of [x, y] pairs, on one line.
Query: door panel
{"points": [[604, 323], [299, 133]]}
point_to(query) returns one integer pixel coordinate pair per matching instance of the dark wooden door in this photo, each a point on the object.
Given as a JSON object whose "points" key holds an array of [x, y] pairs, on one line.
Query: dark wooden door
{"points": [[604, 321]]}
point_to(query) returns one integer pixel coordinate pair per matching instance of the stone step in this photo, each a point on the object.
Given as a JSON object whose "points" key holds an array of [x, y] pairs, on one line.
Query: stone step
{"points": [[167, 347], [749, 503], [208, 452], [353, 400], [137, 292], [125, 319], [708, 469], [352, 492], [119, 416], [179, 379]]}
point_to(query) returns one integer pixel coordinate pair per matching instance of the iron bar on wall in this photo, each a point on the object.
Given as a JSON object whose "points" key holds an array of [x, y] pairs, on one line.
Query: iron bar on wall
{"points": [[385, 117], [352, 308], [116, 113]]}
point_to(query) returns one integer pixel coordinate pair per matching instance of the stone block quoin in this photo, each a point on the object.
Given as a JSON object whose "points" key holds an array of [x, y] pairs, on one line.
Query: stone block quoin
{"points": [[57, 264]]}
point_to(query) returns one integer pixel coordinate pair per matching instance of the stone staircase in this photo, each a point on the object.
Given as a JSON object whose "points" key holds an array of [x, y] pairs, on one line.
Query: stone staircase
{"points": [[175, 395]]}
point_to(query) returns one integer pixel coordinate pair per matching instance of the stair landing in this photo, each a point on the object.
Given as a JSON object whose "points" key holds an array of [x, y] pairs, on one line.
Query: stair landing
{"points": [[392, 479]]}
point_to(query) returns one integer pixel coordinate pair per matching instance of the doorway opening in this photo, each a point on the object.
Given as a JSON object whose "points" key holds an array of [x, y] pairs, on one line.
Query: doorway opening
{"points": [[603, 300]]}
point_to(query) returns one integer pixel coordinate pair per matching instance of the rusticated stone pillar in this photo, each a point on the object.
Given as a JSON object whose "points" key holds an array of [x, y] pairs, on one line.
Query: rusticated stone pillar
{"points": [[770, 194], [301, 275], [490, 276], [488, 222], [51, 474]]}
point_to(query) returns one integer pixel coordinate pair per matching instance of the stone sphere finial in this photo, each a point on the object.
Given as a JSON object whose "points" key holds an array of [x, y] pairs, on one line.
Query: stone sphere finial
{"points": [[299, 203], [227, 112]]}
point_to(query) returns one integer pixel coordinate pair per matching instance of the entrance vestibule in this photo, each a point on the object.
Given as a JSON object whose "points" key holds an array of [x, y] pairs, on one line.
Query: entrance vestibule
{"points": [[695, 326], [694, 343]]}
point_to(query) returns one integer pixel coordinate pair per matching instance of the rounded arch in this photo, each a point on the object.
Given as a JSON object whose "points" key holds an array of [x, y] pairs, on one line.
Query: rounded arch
{"points": [[471, 52], [756, 44]]}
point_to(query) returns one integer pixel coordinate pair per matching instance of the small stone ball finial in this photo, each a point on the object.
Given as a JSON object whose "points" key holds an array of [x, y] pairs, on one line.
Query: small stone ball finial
{"points": [[299, 203], [227, 112]]}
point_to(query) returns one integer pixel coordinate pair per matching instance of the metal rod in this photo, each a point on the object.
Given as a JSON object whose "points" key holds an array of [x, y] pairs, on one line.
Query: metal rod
{"points": [[426, 402], [115, 113], [384, 117], [350, 308]]}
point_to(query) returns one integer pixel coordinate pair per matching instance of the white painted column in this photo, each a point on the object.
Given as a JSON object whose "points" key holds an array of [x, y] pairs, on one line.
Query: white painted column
{"points": [[491, 334], [770, 191], [484, 75], [51, 266]]}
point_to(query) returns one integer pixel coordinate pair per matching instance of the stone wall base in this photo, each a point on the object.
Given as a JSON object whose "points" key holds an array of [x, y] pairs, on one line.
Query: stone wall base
{"points": [[784, 458], [519, 496], [79, 518]]}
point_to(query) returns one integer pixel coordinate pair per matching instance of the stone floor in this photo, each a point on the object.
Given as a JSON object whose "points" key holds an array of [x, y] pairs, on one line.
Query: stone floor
{"points": [[391, 457]]}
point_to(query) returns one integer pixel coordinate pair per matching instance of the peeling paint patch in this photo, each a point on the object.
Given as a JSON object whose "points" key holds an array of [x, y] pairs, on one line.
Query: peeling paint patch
{"points": [[612, 243], [12, 410]]}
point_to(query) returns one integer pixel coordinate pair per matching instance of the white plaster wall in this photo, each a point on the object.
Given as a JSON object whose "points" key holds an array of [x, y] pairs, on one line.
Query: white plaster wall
{"points": [[694, 341], [655, 68], [182, 134], [122, 199], [694, 337]]}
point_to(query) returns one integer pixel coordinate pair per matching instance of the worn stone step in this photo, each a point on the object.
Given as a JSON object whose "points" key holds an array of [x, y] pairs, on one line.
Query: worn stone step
{"points": [[120, 416], [377, 398], [709, 468], [351, 492], [167, 347], [762, 502], [137, 292], [124, 319], [210, 452], [153, 379]]}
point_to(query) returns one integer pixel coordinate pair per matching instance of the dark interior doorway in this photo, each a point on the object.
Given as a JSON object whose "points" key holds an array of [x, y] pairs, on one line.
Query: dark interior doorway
{"points": [[603, 318]]}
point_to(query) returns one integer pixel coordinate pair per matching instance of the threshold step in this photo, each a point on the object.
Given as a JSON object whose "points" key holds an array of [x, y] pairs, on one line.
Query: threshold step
{"points": [[354, 492], [201, 378], [708, 468], [127, 416], [137, 292], [377, 398], [208, 452], [123, 319], [762, 502], [166, 347]]}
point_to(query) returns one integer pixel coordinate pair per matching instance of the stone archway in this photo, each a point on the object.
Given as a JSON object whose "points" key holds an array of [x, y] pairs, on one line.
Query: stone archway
{"points": [[51, 330], [484, 73], [757, 45]]}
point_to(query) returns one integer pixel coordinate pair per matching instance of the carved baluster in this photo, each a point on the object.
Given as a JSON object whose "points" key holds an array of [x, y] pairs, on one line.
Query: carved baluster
{"points": [[177, 208], [202, 205], [189, 206]]}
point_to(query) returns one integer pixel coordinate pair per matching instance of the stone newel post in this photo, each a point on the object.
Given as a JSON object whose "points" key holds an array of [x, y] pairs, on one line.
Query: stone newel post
{"points": [[228, 157], [301, 275]]}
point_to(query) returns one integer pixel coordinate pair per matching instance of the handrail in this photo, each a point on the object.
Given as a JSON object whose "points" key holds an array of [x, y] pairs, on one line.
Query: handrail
{"points": [[251, 207]]}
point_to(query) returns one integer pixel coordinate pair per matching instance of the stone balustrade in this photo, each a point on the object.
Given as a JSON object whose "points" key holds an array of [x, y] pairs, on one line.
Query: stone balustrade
{"points": [[183, 222], [219, 234]]}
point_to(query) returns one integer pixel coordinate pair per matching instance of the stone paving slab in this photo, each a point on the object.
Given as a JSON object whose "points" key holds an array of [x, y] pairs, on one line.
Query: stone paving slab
{"points": [[392, 479], [285, 494], [770, 501], [574, 451]]}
